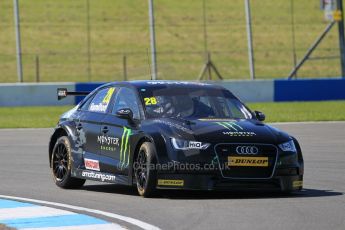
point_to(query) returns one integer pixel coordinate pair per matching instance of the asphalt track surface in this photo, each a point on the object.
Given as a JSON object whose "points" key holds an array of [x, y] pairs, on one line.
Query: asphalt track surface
{"points": [[24, 172]]}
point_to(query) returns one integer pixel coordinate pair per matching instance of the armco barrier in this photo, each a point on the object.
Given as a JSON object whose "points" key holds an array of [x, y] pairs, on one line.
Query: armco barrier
{"points": [[309, 90], [33, 94], [39, 94], [250, 91]]}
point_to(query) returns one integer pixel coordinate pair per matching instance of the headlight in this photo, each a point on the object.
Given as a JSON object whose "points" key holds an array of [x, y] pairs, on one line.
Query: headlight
{"points": [[188, 145], [288, 146]]}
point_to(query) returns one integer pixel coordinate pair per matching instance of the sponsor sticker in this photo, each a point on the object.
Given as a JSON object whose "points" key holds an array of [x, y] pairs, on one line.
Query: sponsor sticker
{"points": [[98, 176], [98, 107], [240, 134], [297, 183], [235, 130], [108, 143], [248, 161], [163, 182], [102, 106], [195, 145], [91, 164], [106, 140], [108, 148]]}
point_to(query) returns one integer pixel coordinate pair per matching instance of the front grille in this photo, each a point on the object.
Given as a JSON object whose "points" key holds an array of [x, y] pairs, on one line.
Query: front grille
{"points": [[249, 171]]}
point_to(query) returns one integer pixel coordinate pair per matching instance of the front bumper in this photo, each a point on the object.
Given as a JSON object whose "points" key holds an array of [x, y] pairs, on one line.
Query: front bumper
{"points": [[284, 171], [287, 179], [204, 182]]}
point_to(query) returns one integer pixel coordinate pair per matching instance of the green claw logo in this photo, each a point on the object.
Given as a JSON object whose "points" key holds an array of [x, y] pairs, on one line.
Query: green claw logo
{"points": [[232, 126], [235, 130], [125, 148]]}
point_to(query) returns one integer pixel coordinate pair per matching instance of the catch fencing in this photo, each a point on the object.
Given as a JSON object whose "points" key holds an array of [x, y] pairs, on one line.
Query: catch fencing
{"points": [[106, 40]]}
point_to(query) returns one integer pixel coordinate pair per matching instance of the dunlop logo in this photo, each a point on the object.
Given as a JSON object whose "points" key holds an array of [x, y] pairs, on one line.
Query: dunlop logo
{"points": [[248, 161], [297, 183], [170, 182]]}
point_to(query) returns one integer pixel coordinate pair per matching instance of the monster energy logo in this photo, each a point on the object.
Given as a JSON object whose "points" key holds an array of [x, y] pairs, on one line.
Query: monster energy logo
{"points": [[232, 126], [235, 130], [125, 147]]}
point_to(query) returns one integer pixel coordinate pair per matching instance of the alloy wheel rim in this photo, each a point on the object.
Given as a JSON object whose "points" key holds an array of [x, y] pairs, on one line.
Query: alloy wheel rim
{"points": [[141, 170], [60, 161]]}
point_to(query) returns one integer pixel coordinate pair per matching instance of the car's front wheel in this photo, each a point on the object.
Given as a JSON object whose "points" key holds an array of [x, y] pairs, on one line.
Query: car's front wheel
{"points": [[144, 170], [61, 165]]}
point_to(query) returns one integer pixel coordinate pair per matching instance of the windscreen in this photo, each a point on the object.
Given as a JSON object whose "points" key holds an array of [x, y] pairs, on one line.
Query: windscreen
{"points": [[192, 103]]}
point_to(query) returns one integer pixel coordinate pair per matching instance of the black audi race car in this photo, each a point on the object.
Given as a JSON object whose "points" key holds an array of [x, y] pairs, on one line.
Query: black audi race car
{"points": [[171, 135]]}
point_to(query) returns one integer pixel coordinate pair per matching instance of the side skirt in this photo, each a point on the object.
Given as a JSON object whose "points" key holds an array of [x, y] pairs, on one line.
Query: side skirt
{"points": [[100, 176]]}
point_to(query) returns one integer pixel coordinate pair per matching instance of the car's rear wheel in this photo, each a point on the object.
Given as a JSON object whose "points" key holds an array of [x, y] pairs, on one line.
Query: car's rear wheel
{"points": [[61, 165], [144, 170]]}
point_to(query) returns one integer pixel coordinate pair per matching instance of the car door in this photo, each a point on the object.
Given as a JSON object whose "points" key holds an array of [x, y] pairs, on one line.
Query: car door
{"points": [[120, 131], [88, 124]]}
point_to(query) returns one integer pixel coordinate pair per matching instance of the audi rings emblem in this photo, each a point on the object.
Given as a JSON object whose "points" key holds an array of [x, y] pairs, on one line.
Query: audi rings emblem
{"points": [[242, 150]]}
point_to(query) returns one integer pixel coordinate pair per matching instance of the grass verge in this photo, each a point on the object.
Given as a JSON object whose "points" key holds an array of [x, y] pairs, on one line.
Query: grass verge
{"points": [[47, 116], [302, 111], [31, 117]]}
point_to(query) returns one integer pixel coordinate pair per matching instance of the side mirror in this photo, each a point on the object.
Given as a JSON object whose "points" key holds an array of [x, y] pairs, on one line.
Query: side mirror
{"points": [[125, 113], [260, 116]]}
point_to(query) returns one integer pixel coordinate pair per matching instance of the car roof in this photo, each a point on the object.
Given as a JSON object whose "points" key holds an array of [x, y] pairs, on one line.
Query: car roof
{"points": [[159, 83]]}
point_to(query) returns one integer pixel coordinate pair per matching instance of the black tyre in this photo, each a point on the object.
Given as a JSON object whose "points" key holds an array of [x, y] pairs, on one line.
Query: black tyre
{"points": [[146, 176], [61, 165]]}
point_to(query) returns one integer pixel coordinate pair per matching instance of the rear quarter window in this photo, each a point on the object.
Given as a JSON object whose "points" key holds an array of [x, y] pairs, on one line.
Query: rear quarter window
{"points": [[100, 102]]}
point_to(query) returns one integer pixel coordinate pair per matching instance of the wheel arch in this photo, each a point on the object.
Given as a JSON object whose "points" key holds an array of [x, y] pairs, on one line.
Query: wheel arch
{"points": [[139, 143], [59, 132], [157, 139]]}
